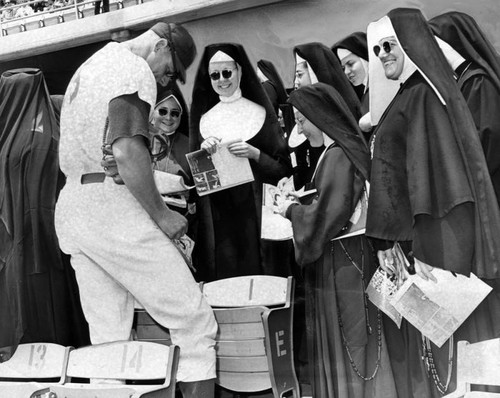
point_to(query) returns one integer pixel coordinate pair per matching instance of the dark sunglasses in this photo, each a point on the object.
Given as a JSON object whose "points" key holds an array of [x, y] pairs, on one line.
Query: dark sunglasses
{"points": [[386, 45], [226, 74], [175, 113]]}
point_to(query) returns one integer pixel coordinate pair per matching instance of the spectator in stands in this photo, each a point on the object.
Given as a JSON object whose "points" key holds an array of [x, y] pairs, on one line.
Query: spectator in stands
{"points": [[105, 6], [24, 11]]}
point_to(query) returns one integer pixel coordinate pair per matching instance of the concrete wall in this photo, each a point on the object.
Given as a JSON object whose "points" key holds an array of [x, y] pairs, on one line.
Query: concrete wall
{"points": [[270, 32]]}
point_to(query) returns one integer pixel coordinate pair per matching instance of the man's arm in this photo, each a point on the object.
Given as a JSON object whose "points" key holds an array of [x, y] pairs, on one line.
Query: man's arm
{"points": [[128, 120], [134, 165]]}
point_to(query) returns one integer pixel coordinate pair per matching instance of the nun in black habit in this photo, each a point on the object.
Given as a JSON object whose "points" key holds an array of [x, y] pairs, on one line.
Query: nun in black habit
{"points": [[346, 345], [318, 64], [275, 90], [430, 191], [39, 298], [230, 103], [352, 52], [476, 64]]}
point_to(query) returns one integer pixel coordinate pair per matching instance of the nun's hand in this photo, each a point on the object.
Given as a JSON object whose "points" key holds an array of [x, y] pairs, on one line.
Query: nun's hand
{"points": [[365, 123], [210, 144], [244, 150], [387, 261], [424, 270]]}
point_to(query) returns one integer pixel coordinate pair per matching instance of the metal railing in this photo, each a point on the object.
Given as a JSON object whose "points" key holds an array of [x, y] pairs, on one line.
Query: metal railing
{"points": [[39, 19]]}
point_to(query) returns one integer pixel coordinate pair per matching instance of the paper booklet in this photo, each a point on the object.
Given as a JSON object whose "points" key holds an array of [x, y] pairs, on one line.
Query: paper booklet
{"points": [[218, 171], [172, 188], [168, 183], [435, 309], [438, 309], [273, 225], [380, 291]]}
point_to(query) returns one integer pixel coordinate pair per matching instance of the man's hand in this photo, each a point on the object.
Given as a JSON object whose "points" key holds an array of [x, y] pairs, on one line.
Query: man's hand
{"points": [[173, 224], [108, 163]]}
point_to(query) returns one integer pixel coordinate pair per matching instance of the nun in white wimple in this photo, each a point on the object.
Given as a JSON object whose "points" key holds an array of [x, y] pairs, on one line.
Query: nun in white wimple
{"points": [[170, 127], [230, 104]]}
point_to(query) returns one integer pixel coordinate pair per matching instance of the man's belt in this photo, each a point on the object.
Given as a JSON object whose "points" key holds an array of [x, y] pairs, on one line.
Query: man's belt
{"points": [[92, 178]]}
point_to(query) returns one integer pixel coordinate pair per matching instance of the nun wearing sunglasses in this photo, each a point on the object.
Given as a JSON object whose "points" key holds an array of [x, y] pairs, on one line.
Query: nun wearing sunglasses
{"points": [[170, 125], [230, 104]]}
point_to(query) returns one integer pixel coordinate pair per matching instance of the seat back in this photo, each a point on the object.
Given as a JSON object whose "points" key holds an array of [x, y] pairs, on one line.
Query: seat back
{"points": [[126, 360], [36, 361], [478, 363], [254, 342], [244, 291]]}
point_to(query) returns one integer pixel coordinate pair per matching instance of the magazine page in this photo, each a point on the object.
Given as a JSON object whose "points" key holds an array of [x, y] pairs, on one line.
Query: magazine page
{"points": [[218, 171], [438, 309], [273, 225], [168, 183], [380, 291]]}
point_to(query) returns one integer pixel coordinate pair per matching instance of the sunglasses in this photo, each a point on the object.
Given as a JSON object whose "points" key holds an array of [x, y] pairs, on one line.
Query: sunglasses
{"points": [[175, 113], [226, 74], [387, 46]]}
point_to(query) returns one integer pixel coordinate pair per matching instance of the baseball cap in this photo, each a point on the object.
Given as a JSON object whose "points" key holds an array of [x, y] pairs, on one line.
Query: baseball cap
{"points": [[182, 45]]}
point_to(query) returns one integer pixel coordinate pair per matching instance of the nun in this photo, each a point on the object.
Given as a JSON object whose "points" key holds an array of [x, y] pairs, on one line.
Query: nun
{"points": [[352, 51], [230, 104], [315, 62], [275, 90], [347, 351], [429, 192], [476, 65]]}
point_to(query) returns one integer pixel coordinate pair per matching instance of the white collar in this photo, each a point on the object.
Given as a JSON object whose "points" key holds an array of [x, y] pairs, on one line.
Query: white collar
{"points": [[233, 97]]}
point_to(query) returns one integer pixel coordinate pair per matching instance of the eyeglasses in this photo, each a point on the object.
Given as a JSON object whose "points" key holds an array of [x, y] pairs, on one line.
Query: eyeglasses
{"points": [[175, 113], [226, 74], [300, 121], [387, 47]]}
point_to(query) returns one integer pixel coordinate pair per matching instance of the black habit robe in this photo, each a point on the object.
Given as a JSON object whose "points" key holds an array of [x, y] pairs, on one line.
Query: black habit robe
{"points": [[39, 299], [327, 69], [334, 285], [275, 90], [479, 81], [430, 186], [229, 241]]}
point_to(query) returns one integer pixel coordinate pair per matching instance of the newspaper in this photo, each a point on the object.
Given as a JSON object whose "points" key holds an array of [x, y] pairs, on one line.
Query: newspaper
{"points": [[380, 291], [438, 309], [218, 171], [273, 225]]}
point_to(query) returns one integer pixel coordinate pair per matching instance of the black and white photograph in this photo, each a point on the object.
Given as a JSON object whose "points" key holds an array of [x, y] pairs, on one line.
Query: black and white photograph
{"points": [[249, 198]]}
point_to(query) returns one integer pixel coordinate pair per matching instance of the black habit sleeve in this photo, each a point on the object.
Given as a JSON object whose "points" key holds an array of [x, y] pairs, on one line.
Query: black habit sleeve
{"points": [[339, 188]]}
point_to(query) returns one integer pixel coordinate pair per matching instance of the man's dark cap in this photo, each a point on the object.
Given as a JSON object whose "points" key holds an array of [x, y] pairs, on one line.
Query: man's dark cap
{"points": [[182, 45]]}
